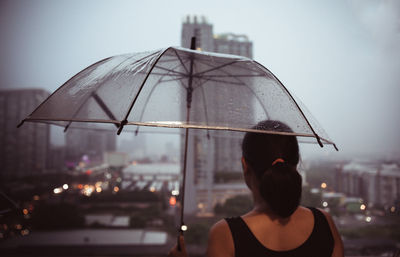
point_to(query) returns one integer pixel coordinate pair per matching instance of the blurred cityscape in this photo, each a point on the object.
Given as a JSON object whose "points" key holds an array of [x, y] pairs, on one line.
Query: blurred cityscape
{"points": [[97, 195]]}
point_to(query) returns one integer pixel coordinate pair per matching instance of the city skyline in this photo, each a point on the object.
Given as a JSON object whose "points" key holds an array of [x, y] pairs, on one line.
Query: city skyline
{"points": [[340, 59]]}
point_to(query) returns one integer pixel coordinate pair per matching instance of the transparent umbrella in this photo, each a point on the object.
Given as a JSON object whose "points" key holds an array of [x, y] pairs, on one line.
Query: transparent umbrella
{"points": [[177, 88]]}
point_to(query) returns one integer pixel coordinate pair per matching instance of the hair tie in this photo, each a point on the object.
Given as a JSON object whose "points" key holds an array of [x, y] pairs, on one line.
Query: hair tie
{"points": [[277, 160]]}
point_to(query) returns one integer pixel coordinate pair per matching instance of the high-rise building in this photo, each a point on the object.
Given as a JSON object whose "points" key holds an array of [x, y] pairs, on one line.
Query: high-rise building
{"points": [[23, 151], [220, 154]]}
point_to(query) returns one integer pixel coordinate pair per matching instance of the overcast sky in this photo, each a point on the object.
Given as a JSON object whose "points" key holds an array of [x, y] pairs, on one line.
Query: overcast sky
{"points": [[341, 58]]}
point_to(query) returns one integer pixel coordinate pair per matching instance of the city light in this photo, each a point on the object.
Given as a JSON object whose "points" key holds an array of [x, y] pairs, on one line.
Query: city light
{"points": [[36, 198], [392, 209], [65, 186], [87, 190], [325, 204], [172, 200], [98, 189], [25, 232], [368, 219], [152, 189], [184, 227], [175, 192], [116, 189], [363, 207], [25, 211], [57, 190], [323, 185]]}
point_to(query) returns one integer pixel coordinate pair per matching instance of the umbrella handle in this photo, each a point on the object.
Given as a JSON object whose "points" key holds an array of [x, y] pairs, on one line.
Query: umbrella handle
{"points": [[178, 242]]}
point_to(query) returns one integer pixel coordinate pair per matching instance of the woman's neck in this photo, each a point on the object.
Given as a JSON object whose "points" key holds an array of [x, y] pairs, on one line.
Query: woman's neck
{"points": [[261, 207]]}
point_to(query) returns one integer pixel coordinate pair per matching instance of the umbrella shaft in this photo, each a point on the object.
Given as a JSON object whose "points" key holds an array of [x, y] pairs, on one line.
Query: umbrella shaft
{"points": [[184, 174]]}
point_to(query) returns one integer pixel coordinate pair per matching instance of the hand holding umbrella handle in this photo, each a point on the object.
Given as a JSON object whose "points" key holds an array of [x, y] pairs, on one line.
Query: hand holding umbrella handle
{"points": [[179, 250]]}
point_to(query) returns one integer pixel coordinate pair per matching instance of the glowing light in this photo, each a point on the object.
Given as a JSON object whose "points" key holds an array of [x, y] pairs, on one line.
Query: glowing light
{"points": [[88, 172], [368, 219], [80, 186], [57, 190], [392, 209], [152, 189], [116, 189], [175, 192], [363, 207], [325, 204], [25, 232], [36, 198], [172, 200], [119, 179], [18, 226], [184, 227], [98, 189], [25, 211], [87, 190], [200, 205], [65, 186], [323, 185]]}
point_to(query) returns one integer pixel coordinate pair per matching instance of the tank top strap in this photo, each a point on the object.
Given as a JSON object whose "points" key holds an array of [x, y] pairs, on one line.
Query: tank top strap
{"points": [[243, 238], [322, 234]]}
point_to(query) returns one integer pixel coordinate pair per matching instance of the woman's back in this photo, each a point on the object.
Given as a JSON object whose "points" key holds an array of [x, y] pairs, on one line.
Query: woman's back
{"points": [[306, 233]]}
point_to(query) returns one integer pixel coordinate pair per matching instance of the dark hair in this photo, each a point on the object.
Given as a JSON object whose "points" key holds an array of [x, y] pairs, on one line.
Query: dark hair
{"points": [[280, 183]]}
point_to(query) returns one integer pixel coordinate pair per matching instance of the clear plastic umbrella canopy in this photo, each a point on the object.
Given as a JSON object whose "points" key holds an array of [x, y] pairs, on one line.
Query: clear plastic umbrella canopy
{"points": [[177, 88]]}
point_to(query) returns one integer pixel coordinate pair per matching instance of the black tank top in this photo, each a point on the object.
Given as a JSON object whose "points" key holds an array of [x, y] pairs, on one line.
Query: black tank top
{"points": [[319, 244]]}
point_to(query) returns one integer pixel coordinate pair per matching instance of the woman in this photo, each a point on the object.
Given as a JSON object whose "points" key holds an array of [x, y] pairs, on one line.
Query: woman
{"points": [[277, 225]]}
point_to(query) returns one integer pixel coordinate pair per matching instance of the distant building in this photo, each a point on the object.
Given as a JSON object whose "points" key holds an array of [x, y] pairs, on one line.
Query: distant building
{"points": [[217, 154], [230, 43], [199, 28], [23, 151], [377, 184], [91, 143]]}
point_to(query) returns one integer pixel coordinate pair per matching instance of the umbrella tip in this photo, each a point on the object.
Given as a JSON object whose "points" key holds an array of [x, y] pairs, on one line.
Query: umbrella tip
{"points": [[66, 127], [21, 123], [319, 141], [193, 43], [335, 147], [121, 126]]}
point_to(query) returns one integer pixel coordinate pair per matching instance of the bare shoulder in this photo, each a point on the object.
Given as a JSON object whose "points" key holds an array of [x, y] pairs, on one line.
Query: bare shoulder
{"points": [[220, 241]]}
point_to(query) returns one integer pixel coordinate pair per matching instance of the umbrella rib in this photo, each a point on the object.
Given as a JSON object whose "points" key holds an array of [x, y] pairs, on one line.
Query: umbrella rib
{"points": [[215, 68], [298, 107], [180, 60], [150, 93], [104, 106], [109, 77], [58, 89], [125, 121], [240, 67], [169, 70]]}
